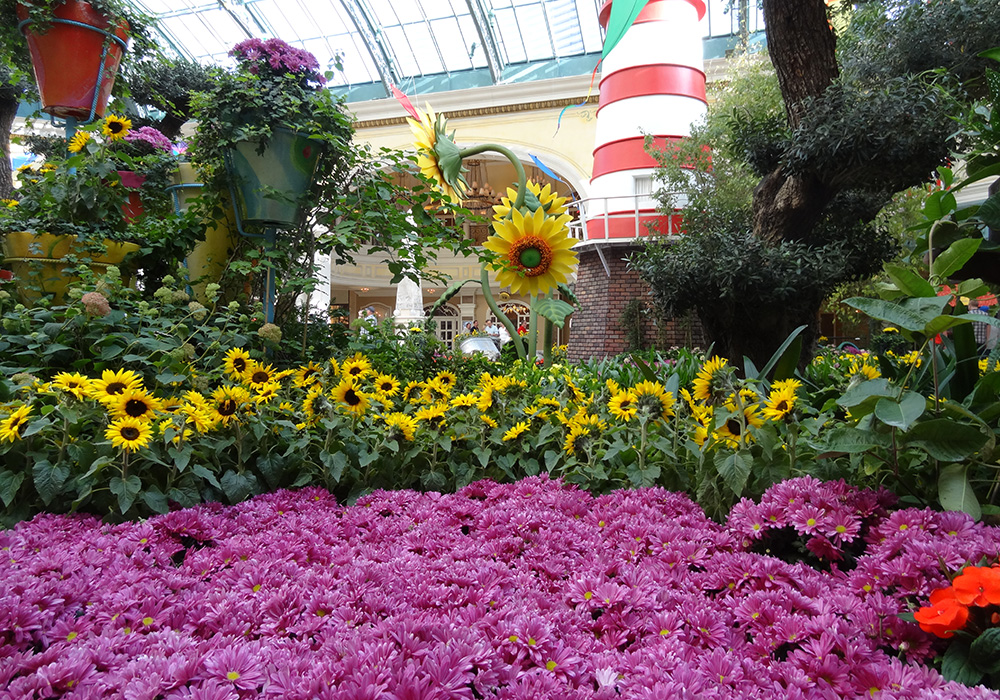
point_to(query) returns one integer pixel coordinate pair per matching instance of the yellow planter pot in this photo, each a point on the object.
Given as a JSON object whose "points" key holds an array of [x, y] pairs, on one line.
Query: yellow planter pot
{"points": [[207, 261], [39, 262]]}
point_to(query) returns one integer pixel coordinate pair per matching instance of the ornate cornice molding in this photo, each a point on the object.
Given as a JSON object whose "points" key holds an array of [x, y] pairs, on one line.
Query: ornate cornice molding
{"points": [[483, 111]]}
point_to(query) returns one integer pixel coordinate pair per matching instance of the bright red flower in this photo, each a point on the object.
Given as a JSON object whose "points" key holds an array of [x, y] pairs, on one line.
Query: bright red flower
{"points": [[945, 616], [978, 585]]}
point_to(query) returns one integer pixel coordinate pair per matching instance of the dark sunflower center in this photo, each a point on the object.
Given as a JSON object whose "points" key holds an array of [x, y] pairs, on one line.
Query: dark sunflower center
{"points": [[625, 405], [130, 433], [227, 407], [531, 255], [115, 388], [351, 398], [782, 406], [259, 377], [733, 426], [136, 408], [385, 386], [239, 364], [15, 424], [115, 127], [354, 371]]}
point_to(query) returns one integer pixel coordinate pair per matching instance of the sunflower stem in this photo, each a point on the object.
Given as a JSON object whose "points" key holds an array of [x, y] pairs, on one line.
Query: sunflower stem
{"points": [[547, 348], [501, 316], [533, 330], [522, 179]]}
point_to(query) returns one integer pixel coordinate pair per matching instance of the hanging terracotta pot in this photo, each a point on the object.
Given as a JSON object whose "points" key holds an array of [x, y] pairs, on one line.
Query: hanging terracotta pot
{"points": [[39, 262], [77, 50], [269, 185]]}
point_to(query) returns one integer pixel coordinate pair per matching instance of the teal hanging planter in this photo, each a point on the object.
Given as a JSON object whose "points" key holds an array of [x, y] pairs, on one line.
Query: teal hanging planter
{"points": [[268, 186]]}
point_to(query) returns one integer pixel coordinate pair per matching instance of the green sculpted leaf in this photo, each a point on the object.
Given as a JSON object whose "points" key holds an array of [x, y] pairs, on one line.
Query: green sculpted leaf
{"points": [[554, 310]]}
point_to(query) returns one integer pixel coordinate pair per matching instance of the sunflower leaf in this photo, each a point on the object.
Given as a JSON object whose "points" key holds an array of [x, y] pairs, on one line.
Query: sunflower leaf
{"points": [[554, 310]]}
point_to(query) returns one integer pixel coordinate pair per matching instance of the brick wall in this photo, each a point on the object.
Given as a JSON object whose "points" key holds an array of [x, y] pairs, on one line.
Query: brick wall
{"points": [[596, 329]]}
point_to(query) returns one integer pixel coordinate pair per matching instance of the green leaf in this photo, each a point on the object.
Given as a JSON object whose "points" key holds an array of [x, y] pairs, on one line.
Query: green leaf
{"points": [[779, 354], [945, 439], [567, 293], [48, 479], [126, 490], [852, 440], [483, 453], [958, 253], [909, 282], [985, 651], [205, 474], [901, 413], [156, 501], [453, 289], [866, 390], [554, 310], [912, 314], [989, 211], [957, 666], [955, 491], [734, 470], [10, 482], [237, 486], [365, 457], [335, 464], [939, 204], [645, 370]]}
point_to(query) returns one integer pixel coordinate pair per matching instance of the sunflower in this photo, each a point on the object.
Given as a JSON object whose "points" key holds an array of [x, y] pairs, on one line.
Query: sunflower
{"points": [[236, 361], [436, 391], [357, 367], [413, 392], [111, 385], [577, 439], [515, 432], [534, 252], [401, 425], [307, 375], [488, 421], [265, 392], [78, 141], [860, 368], [433, 415], [781, 400], [446, 379], [348, 397], [731, 430], [710, 384], [624, 405], [315, 403], [437, 155], [386, 385], [201, 417], [116, 128], [72, 383], [226, 402], [653, 401], [129, 434], [179, 431], [136, 403], [257, 374], [13, 425], [536, 197], [464, 400]]}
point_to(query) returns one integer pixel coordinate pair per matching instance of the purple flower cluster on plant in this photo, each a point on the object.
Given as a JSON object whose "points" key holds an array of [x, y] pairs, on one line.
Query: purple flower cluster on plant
{"points": [[277, 57], [528, 590], [151, 137]]}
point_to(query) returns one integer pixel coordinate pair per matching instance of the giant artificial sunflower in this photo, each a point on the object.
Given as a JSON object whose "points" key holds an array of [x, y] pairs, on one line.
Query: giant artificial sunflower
{"points": [[13, 425], [534, 251], [781, 400], [348, 397], [116, 128], [437, 155], [111, 385], [129, 434], [535, 196], [136, 403]]}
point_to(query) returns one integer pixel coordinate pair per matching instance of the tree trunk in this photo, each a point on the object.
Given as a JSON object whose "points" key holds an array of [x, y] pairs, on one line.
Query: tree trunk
{"points": [[802, 47], [8, 111]]}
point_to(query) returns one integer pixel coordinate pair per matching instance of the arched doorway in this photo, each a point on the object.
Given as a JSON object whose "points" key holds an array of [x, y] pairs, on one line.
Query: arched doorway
{"points": [[446, 319]]}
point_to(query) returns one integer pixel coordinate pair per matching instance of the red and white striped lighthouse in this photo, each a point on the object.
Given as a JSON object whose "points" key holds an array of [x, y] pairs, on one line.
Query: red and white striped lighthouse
{"points": [[652, 82]]}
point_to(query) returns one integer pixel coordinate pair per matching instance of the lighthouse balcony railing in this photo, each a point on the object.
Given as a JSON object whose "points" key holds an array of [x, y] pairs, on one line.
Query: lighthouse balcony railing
{"points": [[605, 210]]}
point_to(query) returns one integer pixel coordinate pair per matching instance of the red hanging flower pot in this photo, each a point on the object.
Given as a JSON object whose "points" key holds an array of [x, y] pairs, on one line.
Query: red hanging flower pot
{"points": [[75, 59]]}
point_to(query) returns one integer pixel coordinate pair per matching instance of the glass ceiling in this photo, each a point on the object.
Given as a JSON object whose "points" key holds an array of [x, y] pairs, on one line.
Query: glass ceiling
{"points": [[417, 45]]}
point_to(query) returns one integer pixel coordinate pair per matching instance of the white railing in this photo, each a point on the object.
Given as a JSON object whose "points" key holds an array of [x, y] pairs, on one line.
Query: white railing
{"points": [[598, 208]]}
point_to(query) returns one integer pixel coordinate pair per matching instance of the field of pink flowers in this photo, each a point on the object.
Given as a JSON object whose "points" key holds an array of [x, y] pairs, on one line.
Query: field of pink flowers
{"points": [[530, 590]]}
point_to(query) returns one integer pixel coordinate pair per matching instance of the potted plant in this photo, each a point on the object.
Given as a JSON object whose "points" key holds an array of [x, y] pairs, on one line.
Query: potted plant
{"points": [[76, 47], [262, 128], [70, 210]]}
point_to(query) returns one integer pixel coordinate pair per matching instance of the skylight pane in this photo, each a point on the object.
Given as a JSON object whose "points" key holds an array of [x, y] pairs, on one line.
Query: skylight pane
{"points": [[534, 32], [565, 27], [472, 42], [449, 40], [406, 63], [424, 50], [510, 36]]}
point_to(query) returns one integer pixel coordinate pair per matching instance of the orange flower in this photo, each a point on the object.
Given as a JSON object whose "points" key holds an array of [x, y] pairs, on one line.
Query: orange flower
{"points": [[945, 616], [978, 585]]}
